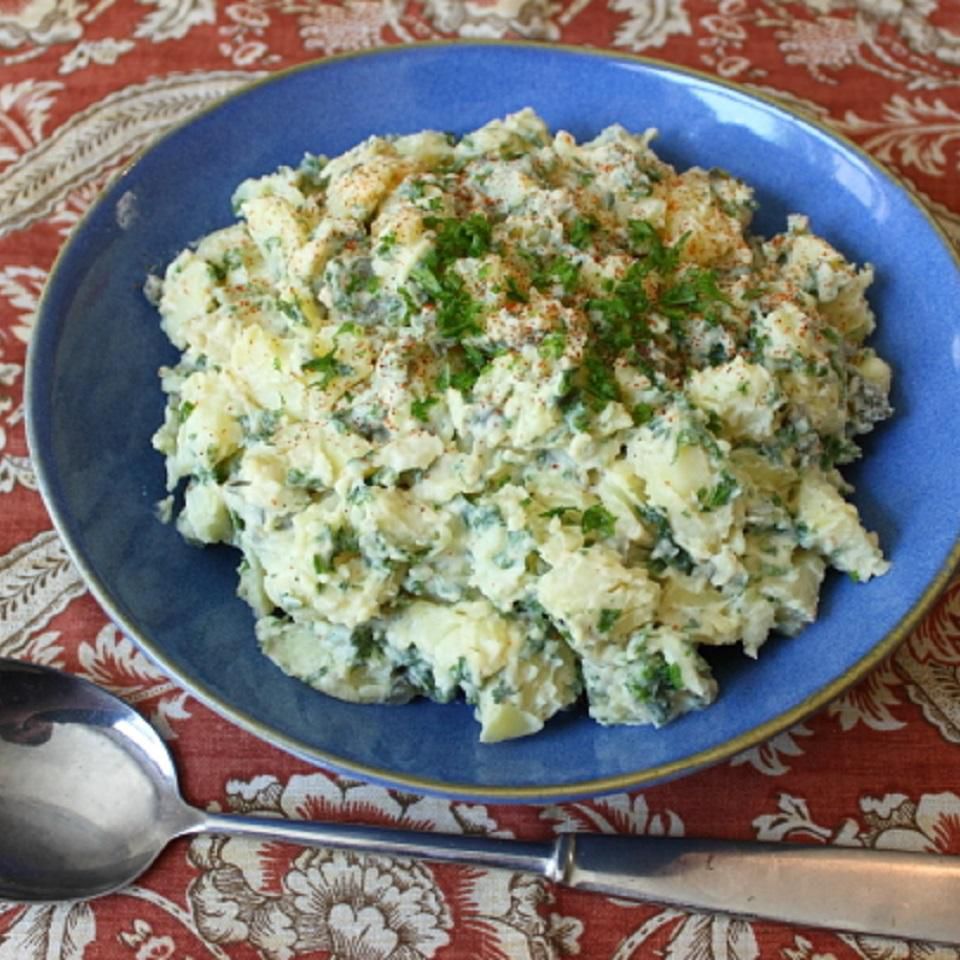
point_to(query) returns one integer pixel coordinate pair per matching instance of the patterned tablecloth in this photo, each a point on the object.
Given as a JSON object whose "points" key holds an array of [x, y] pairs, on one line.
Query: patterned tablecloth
{"points": [[86, 83]]}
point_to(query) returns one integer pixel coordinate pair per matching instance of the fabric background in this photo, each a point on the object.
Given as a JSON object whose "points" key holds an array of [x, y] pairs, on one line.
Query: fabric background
{"points": [[84, 84]]}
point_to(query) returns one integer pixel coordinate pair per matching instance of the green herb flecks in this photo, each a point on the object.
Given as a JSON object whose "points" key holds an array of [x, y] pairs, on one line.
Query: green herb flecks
{"points": [[513, 292], [560, 271], [560, 512], [328, 367], [582, 230], [291, 309], [553, 345], [719, 495], [457, 312], [600, 386], [646, 243], [420, 407], [311, 172], [654, 682], [460, 238], [599, 521], [386, 243], [696, 292], [608, 617]]}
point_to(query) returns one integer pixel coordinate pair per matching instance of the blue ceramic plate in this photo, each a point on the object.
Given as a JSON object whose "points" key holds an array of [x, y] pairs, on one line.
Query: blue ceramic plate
{"points": [[94, 402]]}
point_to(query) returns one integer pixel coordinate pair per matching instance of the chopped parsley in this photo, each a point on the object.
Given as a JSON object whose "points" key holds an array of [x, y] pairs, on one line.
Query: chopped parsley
{"points": [[582, 230], [457, 312], [420, 407], [291, 309], [328, 367], [514, 293], [460, 238], [642, 413], [386, 243], [599, 384], [696, 292], [597, 519], [718, 495], [646, 243], [608, 617], [560, 271], [553, 345], [653, 682], [218, 273], [558, 512]]}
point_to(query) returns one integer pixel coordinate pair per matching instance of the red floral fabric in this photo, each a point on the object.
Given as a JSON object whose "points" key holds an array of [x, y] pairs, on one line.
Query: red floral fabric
{"points": [[84, 84]]}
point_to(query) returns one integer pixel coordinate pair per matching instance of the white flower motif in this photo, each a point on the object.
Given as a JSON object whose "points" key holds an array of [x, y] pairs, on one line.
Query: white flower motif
{"points": [[105, 52], [367, 907], [287, 902], [935, 827], [649, 23], [531, 19], [40, 22], [331, 27]]}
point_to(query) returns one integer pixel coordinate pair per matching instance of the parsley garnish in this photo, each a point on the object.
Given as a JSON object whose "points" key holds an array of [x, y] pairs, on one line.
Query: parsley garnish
{"points": [[456, 310], [514, 293], [655, 681], [656, 255], [695, 292], [717, 496], [608, 617], [582, 230], [359, 282], [311, 171], [621, 314], [463, 378], [597, 519], [501, 691], [291, 309], [553, 345], [218, 273], [327, 366], [233, 259], [560, 271], [642, 413], [420, 407], [600, 385], [557, 512], [461, 238], [387, 242]]}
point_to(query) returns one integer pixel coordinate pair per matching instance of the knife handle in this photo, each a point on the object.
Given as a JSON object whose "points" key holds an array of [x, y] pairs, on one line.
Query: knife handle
{"points": [[888, 893]]}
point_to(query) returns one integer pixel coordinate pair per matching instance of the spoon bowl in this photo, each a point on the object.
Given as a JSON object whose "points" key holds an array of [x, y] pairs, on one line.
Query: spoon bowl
{"points": [[88, 791], [89, 798]]}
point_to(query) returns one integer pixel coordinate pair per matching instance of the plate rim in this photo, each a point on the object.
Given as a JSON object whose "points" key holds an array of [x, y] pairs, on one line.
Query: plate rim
{"points": [[596, 786]]}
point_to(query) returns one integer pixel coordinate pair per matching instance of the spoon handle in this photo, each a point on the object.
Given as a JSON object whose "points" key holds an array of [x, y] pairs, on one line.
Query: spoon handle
{"points": [[490, 852], [887, 893]]}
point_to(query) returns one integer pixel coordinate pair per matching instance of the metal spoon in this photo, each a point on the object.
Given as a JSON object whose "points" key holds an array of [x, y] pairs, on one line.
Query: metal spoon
{"points": [[89, 797]]}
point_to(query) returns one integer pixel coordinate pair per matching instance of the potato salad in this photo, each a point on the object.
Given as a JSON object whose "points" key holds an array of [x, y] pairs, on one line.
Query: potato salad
{"points": [[518, 419]]}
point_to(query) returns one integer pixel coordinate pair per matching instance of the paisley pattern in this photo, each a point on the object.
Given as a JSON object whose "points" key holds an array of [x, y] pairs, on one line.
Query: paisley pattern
{"points": [[84, 85]]}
